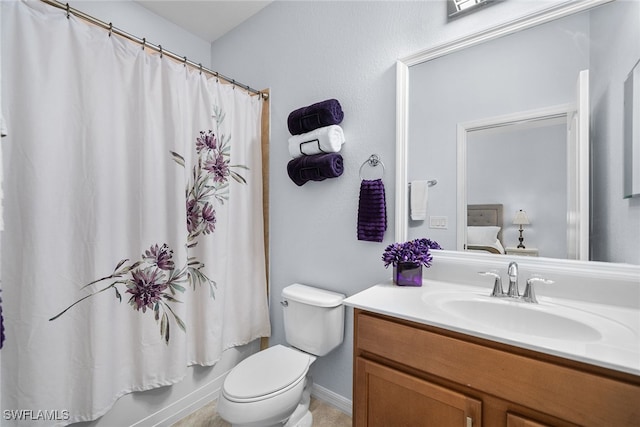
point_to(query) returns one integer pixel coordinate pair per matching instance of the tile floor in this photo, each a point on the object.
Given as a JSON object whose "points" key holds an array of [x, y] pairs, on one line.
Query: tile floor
{"points": [[324, 415]]}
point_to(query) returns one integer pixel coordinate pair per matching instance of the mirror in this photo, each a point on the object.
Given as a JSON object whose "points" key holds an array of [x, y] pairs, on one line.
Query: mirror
{"points": [[443, 131]]}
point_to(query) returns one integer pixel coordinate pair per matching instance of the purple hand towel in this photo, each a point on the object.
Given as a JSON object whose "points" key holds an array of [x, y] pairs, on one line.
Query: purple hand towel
{"points": [[372, 211], [317, 167], [321, 114]]}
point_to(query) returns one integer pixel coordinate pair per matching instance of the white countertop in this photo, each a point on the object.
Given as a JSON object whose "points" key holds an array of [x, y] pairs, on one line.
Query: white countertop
{"points": [[617, 348]]}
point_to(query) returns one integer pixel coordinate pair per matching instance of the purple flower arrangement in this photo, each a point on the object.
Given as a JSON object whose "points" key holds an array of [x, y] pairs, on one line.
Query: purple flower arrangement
{"points": [[417, 251]]}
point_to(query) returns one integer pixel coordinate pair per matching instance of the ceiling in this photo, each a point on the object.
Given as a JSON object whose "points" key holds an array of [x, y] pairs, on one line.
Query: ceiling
{"points": [[208, 19]]}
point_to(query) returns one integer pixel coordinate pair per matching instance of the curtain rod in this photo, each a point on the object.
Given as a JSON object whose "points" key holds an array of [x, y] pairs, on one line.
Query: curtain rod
{"points": [[144, 43]]}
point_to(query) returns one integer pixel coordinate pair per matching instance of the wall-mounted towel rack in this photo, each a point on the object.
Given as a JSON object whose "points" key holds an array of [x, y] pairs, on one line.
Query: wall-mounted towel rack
{"points": [[373, 161], [430, 183]]}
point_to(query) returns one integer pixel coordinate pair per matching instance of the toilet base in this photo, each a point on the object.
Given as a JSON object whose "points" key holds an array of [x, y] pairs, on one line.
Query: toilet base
{"points": [[305, 421], [302, 417], [300, 414]]}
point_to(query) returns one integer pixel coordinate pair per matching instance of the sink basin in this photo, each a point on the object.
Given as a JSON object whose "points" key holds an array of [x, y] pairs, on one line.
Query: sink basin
{"points": [[543, 320], [512, 316]]}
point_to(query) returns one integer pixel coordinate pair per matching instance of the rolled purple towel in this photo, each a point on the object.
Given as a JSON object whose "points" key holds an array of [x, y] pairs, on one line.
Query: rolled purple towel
{"points": [[317, 167], [306, 119], [372, 211]]}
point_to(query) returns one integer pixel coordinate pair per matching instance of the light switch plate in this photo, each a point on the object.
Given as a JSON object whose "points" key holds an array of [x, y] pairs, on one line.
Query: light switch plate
{"points": [[438, 222]]}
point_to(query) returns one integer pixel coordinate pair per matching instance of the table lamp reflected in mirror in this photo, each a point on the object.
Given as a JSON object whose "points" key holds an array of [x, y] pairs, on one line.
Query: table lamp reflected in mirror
{"points": [[521, 219]]}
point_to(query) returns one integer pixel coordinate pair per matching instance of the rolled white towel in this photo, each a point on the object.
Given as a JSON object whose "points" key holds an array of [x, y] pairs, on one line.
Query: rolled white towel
{"points": [[328, 139]]}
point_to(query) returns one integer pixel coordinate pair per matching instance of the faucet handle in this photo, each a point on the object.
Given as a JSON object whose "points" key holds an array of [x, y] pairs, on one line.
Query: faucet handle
{"points": [[497, 284], [529, 293]]}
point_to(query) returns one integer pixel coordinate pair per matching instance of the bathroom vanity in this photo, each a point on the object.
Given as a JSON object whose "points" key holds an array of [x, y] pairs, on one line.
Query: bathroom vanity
{"points": [[414, 364]]}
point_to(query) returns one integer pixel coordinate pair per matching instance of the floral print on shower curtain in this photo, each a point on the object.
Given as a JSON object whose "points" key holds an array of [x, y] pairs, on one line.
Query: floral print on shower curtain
{"points": [[154, 281], [132, 210]]}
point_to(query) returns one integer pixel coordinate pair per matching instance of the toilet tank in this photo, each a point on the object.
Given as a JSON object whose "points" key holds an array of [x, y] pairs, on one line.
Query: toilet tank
{"points": [[313, 318]]}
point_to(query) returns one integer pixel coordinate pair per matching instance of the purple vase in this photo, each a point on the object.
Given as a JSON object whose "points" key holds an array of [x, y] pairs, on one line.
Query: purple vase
{"points": [[407, 274]]}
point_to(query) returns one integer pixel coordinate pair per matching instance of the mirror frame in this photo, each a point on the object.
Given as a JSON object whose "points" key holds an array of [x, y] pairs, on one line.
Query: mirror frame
{"points": [[402, 104]]}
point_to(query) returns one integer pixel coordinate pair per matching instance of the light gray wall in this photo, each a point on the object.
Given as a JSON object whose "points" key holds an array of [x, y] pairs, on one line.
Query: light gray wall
{"points": [[306, 52], [615, 222]]}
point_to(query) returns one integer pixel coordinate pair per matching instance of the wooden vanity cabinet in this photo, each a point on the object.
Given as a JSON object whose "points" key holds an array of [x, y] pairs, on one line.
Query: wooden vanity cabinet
{"points": [[518, 421], [410, 374], [395, 398]]}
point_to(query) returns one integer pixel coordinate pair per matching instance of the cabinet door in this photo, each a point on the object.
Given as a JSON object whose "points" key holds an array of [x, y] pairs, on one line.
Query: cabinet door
{"points": [[518, 421], [387, 397]]}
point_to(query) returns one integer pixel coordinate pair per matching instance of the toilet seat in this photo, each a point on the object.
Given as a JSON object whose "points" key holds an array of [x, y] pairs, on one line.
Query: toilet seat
{"points": [[267, 373]]}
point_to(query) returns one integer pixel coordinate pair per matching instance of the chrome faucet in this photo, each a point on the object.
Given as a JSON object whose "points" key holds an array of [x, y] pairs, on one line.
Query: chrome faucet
{"points": [[512, 272], [513, 292]]}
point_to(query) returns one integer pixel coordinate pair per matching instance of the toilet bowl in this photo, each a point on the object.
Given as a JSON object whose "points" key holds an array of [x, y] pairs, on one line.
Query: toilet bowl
{"points": [[266, 388], [272, 387]]}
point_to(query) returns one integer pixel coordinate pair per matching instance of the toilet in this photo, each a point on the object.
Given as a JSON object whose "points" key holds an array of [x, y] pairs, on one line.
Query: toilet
{"points": [[272, 387]]}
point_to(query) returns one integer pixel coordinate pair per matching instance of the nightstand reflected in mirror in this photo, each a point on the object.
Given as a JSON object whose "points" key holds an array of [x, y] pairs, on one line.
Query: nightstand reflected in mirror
{"points": [[521, 251]]}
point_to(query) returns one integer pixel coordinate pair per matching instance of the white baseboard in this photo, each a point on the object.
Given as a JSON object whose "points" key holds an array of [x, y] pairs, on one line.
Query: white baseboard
{"points": [[333, 399], [210, 391], [185, 406]]}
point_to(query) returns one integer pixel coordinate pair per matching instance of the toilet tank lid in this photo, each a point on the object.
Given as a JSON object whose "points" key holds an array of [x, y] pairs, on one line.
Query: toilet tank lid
{"points": [[312, 296]]}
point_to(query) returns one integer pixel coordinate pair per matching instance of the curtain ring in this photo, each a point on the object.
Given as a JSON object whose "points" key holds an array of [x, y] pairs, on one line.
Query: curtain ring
{"points": [[233, 82], [217, 79], [110, 28], [68, 11], [185, 62], [144, 42], [160, 47], [200, 65]]}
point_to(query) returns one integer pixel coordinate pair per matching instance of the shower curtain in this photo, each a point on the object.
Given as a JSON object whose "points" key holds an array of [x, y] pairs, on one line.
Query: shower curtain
{"points": [[133, 243]]}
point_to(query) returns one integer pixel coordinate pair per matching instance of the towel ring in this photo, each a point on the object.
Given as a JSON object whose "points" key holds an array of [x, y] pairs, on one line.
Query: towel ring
{"points": [[373, 161]]}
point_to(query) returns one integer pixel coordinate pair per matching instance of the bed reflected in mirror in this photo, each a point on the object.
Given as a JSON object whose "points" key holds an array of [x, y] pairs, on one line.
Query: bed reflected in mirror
{"points": [[484, 229]]}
